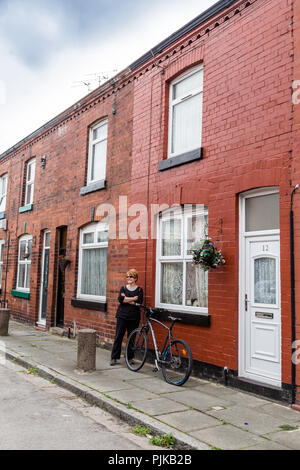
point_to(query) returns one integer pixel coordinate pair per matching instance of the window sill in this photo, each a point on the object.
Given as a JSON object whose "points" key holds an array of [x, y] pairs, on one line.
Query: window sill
{"points": [[186, 157], [199, 319], [90, 188], [27, 208], [18, 293], [89, 305]]}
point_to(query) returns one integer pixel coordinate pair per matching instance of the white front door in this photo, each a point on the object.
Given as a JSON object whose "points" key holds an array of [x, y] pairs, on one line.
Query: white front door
{"points": [[260, 309]]}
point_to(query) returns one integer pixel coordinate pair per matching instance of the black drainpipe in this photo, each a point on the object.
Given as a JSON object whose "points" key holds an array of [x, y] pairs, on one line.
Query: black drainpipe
{"points": [[293, 313]]}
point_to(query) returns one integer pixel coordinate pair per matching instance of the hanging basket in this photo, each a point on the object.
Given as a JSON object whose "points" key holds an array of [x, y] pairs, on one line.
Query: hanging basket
{"points": [[63, 263], [206, 255]]}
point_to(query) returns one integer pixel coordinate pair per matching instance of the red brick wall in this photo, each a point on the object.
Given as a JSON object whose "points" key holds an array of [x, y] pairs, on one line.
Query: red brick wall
{"points": [[247, 142], [57, 202]]}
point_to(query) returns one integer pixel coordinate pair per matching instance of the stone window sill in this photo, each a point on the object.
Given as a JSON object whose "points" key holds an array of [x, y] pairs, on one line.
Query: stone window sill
{"points": [[22, 295], [90, 188], [27, 208], [89, 305], [186, 157], [198, 319]]}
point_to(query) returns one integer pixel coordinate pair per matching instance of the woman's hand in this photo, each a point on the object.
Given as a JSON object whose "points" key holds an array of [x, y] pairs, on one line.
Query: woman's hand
{"points": [[130, 300]]}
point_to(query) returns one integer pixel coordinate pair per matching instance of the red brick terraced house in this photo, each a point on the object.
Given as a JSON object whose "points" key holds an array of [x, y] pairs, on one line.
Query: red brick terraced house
{"points": [[199, 137]]}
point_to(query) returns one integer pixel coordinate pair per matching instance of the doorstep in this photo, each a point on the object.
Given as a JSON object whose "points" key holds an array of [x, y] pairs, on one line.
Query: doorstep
{"points": [[56, 330], [281, 394]]}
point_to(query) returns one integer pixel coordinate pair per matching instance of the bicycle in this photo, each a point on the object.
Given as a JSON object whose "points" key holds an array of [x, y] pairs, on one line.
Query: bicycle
{"points": [[175, 357]]}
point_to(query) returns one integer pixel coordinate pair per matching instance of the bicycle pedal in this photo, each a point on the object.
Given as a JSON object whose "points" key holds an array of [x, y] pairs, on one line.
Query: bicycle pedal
{"points": [[155, 369]]}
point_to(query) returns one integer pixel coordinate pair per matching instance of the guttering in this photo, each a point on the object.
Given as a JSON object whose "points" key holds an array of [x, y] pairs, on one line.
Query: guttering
{"points": [[293, 310], [213, 10]]}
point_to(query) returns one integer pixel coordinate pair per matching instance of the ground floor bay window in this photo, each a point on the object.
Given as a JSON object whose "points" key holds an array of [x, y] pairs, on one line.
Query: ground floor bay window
{"points": [[180, 284], [92, 271]]}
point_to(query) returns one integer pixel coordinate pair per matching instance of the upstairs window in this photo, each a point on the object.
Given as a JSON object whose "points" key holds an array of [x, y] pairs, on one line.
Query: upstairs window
{"points": [[24, 263], [29, 187], [185, 112], [92, 271], [3, 191], [97, 152]]}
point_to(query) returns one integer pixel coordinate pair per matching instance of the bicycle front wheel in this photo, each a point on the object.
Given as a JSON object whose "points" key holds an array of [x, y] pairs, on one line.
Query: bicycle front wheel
{"points": [[136, 349], [178, 362]]}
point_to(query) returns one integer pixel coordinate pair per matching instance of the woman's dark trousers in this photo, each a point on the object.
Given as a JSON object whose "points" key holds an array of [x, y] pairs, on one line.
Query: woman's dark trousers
{"points": [[122, 326]]}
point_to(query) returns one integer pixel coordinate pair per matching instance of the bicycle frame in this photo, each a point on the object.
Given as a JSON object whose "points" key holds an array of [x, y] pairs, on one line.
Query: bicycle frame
{"points": [[168, 340]]}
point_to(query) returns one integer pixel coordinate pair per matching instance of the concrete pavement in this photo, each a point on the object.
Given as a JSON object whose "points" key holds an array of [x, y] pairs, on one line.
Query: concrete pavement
{"points": [[201, 414]]}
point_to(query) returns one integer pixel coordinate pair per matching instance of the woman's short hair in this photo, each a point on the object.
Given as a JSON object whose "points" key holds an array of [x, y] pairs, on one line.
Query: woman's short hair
{"points": [[133, 273]]}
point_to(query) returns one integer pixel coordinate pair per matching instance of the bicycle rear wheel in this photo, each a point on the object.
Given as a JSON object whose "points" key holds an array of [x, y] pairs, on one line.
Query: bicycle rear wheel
{"points": [[178, 362], [136, 349]]}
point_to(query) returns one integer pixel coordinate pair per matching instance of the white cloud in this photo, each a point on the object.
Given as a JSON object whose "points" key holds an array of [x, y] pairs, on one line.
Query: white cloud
{"points": [[38, 89]]}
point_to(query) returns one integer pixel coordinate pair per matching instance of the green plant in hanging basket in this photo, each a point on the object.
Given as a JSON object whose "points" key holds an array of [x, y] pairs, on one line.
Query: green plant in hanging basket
{"points": [[207, 255]]}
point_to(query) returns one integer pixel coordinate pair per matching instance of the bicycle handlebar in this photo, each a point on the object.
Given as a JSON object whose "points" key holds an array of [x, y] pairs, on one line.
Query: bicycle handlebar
{"points": [[150, 310]]}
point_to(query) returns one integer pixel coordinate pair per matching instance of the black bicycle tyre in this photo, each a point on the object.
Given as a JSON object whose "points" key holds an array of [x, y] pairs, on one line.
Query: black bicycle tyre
{"points": [[187, 369], [138, 333]]}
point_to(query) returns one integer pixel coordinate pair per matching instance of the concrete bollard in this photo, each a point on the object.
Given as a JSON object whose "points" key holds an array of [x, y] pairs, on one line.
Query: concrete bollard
{"points": [[4, 321], [86, 350]]}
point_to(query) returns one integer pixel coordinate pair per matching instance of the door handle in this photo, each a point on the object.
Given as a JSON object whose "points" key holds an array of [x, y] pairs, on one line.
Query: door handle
{"points": [[246, 302]]}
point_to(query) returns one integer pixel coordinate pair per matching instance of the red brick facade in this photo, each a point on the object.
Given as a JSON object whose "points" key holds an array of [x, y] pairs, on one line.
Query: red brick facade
{"points": [[251, 56]]}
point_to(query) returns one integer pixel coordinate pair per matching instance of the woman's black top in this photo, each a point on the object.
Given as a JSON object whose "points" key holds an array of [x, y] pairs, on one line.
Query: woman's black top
{"points": [[129, 311]]}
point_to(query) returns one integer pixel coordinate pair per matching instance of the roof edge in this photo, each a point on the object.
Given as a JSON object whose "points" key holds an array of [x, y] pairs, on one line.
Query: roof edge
{"points": [[213, 10]]}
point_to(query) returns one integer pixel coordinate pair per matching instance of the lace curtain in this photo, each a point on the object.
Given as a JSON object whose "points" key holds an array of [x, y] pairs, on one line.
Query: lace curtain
{"points": [[265, 281], [172, 285], [94, 270]]}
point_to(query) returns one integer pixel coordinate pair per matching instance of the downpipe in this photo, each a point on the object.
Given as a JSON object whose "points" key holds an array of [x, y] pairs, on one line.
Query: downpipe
{"points": [[293, 309]]}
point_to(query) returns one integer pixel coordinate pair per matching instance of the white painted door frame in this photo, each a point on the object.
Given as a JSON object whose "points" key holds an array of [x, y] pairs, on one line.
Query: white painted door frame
{"points": [[42, 321], [246, 238]]}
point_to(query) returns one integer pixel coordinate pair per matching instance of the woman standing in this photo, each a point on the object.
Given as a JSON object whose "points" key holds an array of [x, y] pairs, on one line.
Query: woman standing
{"points": [[128, 313]]}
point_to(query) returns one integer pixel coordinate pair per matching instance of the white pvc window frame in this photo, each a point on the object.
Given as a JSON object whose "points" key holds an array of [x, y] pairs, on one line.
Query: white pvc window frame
{"points": [[92, 143], [3, 192], [183, 214], [30, 178], [91, 229], [24, 262], [173, 102]]}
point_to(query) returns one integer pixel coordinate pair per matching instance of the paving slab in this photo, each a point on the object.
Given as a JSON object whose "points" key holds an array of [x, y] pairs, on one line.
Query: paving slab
{"points": [[227, 437], [189, 420], [158, 406], [252, 420], [267, 445], [154, 385], [133, 395], [126, 374], [286, 414], [103, 385], [290, 439], [198, 400]]}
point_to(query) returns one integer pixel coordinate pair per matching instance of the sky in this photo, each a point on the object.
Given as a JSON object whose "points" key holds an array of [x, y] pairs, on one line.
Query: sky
{"points": [[50, 48]]}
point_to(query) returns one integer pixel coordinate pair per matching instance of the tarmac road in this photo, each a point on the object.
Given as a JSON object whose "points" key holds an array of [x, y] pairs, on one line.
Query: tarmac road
{"points": [[38, 415]]}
